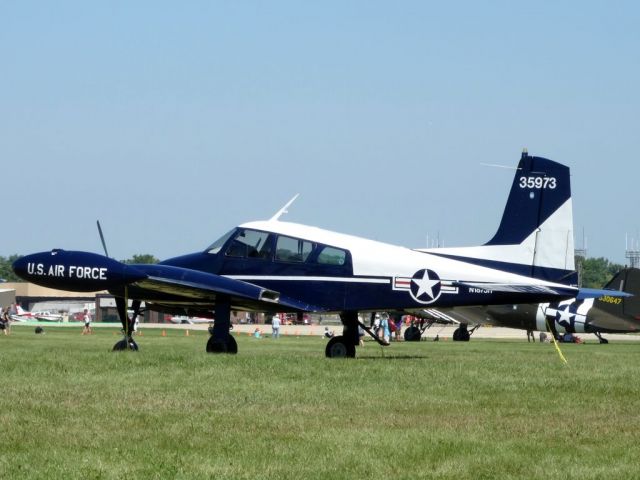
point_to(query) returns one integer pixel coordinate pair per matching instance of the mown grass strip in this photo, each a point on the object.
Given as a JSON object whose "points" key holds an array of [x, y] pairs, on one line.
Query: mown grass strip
{"points": [[71, 408]]}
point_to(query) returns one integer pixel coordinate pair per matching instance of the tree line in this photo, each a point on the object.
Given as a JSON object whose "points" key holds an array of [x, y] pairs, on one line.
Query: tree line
{"points": [[595, 272]]}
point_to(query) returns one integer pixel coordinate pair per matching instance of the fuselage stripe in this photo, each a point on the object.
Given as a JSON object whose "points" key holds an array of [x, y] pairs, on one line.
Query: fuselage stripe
{"points": [[312, 279]]}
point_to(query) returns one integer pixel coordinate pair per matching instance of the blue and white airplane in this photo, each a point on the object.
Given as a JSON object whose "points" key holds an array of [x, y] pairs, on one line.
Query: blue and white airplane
{"points": [[276, 266]]}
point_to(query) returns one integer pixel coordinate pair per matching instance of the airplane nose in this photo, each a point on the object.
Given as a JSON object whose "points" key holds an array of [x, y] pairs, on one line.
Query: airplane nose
{"points": [[75, 271], [19, 267]]}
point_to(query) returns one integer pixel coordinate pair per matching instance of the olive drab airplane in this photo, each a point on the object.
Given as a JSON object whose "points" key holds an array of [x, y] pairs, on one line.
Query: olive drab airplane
{"points": [[276, 266], [612, 312]]}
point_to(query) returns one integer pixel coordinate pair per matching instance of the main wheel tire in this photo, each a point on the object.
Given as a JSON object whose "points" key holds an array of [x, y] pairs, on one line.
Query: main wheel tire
{"points": [[123, 345], [412, 334], [231, 346], [338, 347], [461, 335]]}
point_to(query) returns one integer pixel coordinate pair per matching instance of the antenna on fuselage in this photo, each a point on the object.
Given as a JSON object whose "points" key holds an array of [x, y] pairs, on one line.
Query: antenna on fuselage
{"points": [[283, 210]]}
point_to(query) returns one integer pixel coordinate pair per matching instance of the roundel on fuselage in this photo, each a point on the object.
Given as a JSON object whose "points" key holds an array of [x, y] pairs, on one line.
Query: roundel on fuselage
{"points": [[425, 286]]}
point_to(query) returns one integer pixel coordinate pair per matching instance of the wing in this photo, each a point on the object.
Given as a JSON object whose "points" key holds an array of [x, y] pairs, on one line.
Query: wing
{"points": [[161, 285], [167, 285]]}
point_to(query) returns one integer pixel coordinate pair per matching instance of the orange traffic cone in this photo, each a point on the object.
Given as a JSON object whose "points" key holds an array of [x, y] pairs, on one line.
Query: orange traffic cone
{"points": [[164, 333], [186, 333]]}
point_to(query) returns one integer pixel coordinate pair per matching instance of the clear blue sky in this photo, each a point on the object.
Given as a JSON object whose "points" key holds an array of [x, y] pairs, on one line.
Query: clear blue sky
{"points": [[172, 122]]}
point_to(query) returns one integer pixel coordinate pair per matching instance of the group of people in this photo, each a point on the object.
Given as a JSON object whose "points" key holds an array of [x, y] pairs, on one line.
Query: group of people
{"points": [[5, 319], [387, 327]]}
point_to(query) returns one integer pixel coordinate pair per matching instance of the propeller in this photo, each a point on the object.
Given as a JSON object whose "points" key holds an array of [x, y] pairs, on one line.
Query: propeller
{"points": [[104, 244]]}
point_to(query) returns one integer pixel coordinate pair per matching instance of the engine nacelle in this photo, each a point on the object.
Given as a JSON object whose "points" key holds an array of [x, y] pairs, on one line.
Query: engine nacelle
{"points": [[75, 271]]}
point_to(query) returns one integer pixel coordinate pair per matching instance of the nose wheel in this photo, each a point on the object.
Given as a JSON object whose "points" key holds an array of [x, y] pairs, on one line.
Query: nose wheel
{"points": [[125, 344]]}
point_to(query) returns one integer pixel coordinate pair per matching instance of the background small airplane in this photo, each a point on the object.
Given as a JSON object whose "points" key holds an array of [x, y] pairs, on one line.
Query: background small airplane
{"points": [[21, 315], [185, 320], [274, 266]]}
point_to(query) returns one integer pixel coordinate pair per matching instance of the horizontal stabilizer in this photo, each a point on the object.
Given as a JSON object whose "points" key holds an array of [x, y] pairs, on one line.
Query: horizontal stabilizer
{"points": [[585, 293], [520, 288]]}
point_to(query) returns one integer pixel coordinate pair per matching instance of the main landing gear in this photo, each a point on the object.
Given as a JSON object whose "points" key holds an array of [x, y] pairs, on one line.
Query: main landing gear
{"points": [[461, 334], [215, 346], [344, 346], [602, 340], [221, 341], [340, 347]]}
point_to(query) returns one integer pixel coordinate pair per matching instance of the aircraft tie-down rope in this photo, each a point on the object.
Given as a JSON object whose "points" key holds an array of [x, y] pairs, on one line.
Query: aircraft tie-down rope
{"points": [[555, 342]]}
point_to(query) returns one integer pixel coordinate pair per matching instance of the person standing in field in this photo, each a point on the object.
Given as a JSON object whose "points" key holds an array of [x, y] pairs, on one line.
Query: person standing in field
{"points": [[6, 318], [3, 325], [86, 318], [275, 326]]}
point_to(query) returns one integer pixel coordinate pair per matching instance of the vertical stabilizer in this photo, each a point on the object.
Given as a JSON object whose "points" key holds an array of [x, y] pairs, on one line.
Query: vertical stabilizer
{"points": [[540, 192], [535, 236], [626, 280]]}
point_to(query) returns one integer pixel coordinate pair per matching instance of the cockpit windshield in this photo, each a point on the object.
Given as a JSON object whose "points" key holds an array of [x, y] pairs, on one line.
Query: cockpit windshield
{"points": [[218, 244]]}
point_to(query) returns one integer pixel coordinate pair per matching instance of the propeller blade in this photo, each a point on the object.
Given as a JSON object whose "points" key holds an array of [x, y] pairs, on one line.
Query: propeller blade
{"points": [[104, 245]]}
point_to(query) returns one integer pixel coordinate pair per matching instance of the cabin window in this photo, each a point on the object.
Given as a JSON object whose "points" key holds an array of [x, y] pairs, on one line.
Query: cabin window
{"points": [[332, 256], [250, 244], [292, 249]]}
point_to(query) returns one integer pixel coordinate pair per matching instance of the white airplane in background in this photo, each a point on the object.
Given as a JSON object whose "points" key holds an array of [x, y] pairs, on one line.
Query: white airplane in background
{"points": [[22, 315]]}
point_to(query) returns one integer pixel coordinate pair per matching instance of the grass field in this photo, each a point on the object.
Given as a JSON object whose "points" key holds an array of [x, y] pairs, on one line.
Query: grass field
{"points": [[73, 409]]}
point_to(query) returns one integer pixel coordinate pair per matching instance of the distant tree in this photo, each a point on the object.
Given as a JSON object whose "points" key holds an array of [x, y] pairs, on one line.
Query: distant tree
{"points": [[596, 272], [141, 258], [5, 268]]}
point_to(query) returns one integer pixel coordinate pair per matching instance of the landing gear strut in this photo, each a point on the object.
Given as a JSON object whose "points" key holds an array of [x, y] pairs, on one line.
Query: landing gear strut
{"points": [[344, 346], [601, 338], [220, 340]]}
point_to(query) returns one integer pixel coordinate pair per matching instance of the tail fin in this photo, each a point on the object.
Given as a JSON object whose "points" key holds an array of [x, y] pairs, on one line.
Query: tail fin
{"points": [[540, 189], [535, 236], [626, 280]]}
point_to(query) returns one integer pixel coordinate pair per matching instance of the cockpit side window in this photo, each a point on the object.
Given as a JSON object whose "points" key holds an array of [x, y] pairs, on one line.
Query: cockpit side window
{"points": [[250, 244], [332, 256], [218, 244], [290, 249]]}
